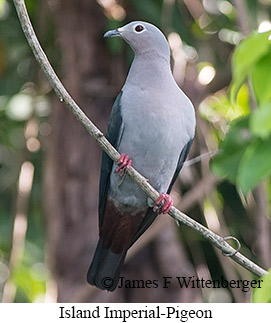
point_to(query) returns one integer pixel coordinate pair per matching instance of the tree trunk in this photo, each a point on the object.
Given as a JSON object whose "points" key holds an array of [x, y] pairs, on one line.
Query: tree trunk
{"points": [[73, 166]]}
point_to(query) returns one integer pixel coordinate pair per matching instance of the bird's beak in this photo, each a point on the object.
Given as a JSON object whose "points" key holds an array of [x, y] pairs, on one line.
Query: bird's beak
{"points": [[112, 33]]}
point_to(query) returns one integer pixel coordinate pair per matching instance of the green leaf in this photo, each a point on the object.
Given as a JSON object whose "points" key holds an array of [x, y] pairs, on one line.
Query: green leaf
{"points": [[246, 55], [29, 284], [226, 163], [261, 79], [260, 121], [263, 294], [255, 164], [242, 101]]}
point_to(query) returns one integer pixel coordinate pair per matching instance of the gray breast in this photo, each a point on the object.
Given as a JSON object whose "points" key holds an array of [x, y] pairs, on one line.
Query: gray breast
{"points": [[154, 135]]}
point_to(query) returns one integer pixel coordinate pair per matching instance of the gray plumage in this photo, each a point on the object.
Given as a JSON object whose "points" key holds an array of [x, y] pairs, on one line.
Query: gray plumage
{"points": [[153, 122]]}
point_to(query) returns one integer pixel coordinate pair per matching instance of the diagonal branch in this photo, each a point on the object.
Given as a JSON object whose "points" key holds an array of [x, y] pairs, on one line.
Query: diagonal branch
{"points": [[142, 182]]}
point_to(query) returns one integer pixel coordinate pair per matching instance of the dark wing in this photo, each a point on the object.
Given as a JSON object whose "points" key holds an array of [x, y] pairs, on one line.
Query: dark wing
{"points": [[150, 215], [182, 158], [114, 133]]}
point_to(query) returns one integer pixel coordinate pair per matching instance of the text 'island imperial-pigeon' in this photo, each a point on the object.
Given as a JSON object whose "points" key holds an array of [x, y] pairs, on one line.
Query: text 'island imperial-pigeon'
{"points": [[152, 125]]}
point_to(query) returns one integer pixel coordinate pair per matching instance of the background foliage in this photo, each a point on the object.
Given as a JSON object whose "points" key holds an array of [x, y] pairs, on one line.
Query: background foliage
{"points": [[221, 57], [246, 155]]}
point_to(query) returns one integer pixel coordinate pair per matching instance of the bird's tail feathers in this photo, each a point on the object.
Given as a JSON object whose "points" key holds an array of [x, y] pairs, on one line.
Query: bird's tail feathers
{"points": [[105, 268]]}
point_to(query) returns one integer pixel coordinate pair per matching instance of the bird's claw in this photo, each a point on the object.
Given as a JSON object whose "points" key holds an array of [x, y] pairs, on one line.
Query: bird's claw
{"points": [[163, 204], [124, 163]]}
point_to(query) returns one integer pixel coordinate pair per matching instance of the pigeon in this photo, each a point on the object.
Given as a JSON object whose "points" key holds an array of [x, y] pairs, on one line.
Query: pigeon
{"points": [[152, 125]]}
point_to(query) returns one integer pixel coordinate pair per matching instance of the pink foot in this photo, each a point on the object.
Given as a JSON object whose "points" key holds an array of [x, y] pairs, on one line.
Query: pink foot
{"points": [[163, 204], [124, 163]]}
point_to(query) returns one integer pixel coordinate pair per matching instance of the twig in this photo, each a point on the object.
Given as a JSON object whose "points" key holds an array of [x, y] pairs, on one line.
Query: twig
{"points": [[142, 182], [199, 158]]}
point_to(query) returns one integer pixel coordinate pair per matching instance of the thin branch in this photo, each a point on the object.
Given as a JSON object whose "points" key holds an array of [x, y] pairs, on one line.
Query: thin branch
{"points": [[199, 158], [142, 182]]}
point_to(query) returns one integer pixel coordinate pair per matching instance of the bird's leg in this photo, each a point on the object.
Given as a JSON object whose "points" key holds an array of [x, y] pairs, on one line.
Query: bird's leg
{"points": [[163, 204], [124, 163]]}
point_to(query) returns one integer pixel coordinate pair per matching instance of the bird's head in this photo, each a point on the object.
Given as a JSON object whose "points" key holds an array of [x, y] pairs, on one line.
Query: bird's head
{"points": [[142, 37]]}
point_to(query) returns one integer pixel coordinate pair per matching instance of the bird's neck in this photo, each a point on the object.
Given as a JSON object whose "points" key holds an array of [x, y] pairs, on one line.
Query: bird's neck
{"points": [[149, 67]]}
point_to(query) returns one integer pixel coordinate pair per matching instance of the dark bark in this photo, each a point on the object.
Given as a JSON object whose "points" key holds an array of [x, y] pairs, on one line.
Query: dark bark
{"points": [[72, 170]]}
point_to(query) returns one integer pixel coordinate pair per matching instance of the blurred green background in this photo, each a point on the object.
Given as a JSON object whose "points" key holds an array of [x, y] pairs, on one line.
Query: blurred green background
{"points": [[221, 57]]}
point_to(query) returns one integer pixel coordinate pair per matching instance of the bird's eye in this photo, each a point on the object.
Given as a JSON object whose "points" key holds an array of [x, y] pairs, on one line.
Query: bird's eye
{"points": [[139, 28]]}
